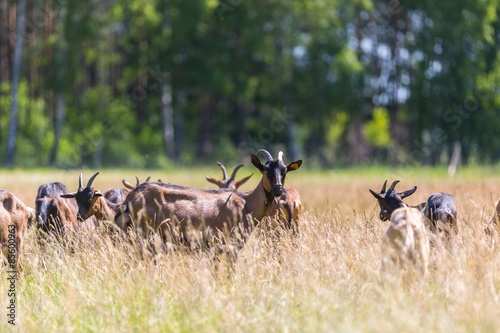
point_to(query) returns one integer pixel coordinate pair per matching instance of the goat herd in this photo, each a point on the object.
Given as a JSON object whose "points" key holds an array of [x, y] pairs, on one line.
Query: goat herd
{"points": [[198, 217], [179, 214]]}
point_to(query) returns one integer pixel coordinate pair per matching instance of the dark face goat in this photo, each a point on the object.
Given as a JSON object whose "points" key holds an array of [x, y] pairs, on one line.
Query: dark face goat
{"points": [[274, 171], [85, 198], [390, 200]]}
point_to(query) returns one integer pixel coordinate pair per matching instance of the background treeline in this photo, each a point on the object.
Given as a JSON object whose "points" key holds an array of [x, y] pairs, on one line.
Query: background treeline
{"points": [[146, 83]]}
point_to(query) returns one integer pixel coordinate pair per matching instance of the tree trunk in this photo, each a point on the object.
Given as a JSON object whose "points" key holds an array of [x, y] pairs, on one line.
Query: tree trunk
{"points": [[60, 105], [205, 137], [16, 73], [4, 41], [167, 113], [58, 124], [239, 113], [181, 97], [292, 144]]}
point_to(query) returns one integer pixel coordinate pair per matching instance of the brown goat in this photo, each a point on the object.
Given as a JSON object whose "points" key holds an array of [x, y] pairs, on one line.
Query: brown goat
{"points": [[287, 208], [406, 240], [91, 202], [130, 187], [196, 212], [14, 218], [54, 214]]}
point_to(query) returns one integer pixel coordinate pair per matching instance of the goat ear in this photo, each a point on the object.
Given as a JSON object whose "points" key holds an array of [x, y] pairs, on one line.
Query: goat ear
{"points": [[376, 195], [242, 181], [68, 195], [407, 193], [293, 166], [256, 162], [97, 193], [214, 181]]}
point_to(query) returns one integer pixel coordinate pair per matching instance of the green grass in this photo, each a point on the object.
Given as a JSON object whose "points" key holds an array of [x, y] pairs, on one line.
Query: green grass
{"points": [[327, 280]]}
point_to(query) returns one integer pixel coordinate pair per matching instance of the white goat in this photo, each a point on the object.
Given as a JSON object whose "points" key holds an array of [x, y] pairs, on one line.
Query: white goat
{"points": [[406, 240]]}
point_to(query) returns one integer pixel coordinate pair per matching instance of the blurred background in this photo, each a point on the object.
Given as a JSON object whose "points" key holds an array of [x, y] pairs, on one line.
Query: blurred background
{"points": [[153, 83]]}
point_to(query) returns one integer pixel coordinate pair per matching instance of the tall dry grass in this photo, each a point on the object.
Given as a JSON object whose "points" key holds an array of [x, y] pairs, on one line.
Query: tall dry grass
{"points": [[325, 280]]}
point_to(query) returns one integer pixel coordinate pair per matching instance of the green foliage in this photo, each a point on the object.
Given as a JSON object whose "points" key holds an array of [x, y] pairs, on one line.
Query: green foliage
{"points": [[229, 64], [35, 135], [337, 129], [377, 130]]}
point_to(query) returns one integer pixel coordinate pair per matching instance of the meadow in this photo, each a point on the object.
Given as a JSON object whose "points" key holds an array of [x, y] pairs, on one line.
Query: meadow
{"points": [[325, 280]]}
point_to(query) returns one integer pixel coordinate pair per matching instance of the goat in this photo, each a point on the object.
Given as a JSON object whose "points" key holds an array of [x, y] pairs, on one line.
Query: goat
{"points": [[130, 187], [54, 214], [91, 202], [231, 182], [164, 207], [438, 207], [406, 240], [14, 217], [118, 195], [286, 208]]}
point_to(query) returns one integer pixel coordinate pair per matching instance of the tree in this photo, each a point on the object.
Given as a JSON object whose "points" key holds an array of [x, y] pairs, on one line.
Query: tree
{"points": [[16, 74]]}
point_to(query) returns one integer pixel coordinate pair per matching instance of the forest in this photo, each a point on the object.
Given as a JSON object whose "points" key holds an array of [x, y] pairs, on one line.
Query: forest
{"points": [[153, 83]]}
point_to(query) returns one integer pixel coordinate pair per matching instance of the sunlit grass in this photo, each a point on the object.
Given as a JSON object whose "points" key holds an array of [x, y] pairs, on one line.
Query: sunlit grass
{"points": [[326, 280]]}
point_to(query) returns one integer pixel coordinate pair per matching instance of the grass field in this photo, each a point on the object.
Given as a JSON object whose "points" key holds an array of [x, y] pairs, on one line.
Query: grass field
{"points": [[327, 280]]}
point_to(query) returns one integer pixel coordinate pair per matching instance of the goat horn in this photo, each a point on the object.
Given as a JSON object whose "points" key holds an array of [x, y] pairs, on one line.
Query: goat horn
{"points": [[266, 153], [137, 181], [280, 156], [224, 171], [383, 187], [80, 182], [89, 184], [235, 171], [147, 179], [391, 188]]}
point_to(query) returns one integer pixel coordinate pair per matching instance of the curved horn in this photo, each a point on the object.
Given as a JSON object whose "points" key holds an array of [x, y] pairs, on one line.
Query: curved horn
{"points": [[383, 187], [91, 180], [242, 181], [266, 153], [147, 179], [391, 188], [80, 181], [127, 185], [224, 171], [137, 181], [235, 171], [280, 156]]}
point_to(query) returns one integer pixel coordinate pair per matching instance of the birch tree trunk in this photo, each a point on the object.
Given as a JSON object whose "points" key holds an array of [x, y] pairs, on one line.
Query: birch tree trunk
{"points": [[60, 104], [167, 118], [16, 73]]}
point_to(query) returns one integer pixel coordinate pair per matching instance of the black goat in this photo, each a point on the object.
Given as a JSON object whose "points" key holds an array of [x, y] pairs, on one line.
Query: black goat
{"points": [[440, 208], [53, 213], [91, 202]]}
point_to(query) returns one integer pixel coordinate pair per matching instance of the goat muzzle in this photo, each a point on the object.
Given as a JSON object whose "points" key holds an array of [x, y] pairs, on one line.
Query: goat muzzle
{"points": [[277, 190]]}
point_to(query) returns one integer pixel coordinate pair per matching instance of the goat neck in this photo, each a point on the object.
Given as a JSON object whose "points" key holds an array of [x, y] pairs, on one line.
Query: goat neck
{"points": [[258, 201], [105, 210]]}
